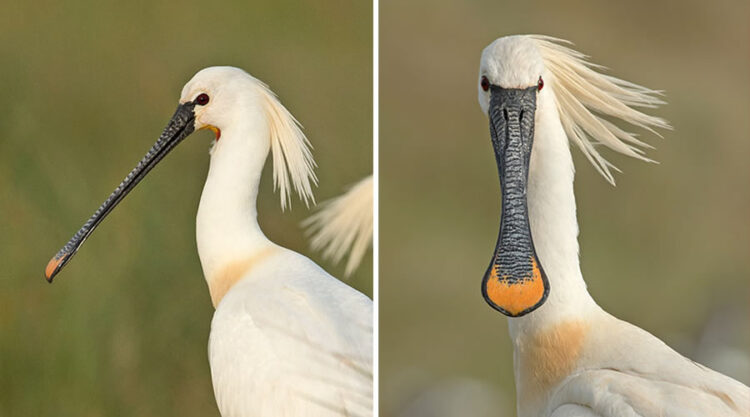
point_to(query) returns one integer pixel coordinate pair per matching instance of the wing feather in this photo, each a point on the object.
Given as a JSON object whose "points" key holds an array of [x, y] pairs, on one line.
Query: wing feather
{"points": [[298, 343]]}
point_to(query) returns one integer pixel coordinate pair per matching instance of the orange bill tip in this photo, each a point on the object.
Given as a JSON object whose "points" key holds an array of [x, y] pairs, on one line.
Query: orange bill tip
{"points": [[49, 271], [516, 297]]}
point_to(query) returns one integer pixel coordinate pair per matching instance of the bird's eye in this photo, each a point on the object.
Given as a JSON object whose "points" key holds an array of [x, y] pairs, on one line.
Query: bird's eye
{"points": [[485, 83], [202, 99], [540, 84]]}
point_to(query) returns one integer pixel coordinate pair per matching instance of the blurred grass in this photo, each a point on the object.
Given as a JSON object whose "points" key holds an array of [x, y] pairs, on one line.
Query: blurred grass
{"points": [[667, 249], [88, 86]]}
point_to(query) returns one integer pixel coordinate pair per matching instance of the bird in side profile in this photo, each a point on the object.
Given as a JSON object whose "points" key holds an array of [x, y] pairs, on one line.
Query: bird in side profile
{"points": [[572, 358], [287, 338], [344, 224]]}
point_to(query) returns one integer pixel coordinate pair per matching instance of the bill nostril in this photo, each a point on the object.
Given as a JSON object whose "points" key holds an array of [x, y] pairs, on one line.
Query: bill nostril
{"points": [[520, 116], [505, 115]]}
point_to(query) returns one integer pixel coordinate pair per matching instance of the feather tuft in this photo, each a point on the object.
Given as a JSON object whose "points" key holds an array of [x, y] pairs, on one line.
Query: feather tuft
{"points": [[293, 163], [586, 97], [344, 224]]}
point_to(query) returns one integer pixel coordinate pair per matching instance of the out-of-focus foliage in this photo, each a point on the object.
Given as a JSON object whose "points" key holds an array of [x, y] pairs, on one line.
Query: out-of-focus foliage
{"points": [[667, 249], [87, 87]]}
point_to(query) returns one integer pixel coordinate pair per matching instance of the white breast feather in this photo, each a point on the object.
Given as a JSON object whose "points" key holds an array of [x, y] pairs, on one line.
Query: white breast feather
{"points": [[299, 341]]}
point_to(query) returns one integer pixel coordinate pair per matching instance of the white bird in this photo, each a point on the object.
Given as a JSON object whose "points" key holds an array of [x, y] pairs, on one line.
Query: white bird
{"points": [[287, 338], [344, 224], [571, 358]]}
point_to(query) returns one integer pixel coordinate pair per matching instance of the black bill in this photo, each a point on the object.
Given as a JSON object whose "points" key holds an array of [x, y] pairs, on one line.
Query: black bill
{"points": [[515, 283], [180, 126]]}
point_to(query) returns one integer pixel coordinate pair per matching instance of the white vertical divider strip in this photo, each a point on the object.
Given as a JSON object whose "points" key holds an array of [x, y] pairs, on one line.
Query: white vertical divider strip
{"points": [[376, 199]]}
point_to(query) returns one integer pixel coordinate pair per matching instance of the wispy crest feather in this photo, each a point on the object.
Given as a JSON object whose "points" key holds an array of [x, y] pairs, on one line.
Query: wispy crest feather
{"points": [[344, 224], [293, 163], [586, 97]]}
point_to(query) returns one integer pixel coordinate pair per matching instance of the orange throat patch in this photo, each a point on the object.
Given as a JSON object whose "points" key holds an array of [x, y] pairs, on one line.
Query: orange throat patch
{"points": [[515, 297], [214, 129]]}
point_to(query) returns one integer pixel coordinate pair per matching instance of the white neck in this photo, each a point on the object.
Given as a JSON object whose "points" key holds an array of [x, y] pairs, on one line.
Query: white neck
{"points": [[554, 228], [226, 226]]}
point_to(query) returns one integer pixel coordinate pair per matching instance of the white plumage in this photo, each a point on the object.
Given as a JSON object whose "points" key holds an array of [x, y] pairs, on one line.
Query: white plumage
{"points": [[287, 338], [344, 224], [571, 358]]}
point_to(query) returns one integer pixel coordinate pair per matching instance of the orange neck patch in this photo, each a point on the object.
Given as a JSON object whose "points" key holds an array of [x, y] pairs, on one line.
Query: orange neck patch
{"points": [[221, 282], [517, 296], [549, 355]]}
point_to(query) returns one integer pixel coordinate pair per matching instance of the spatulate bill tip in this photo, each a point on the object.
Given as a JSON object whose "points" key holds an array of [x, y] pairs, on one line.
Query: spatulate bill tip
{"points": [[53, 266], [512, 295]]}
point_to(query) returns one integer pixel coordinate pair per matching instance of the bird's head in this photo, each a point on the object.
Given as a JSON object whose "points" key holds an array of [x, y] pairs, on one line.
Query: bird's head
{"points": [[512, 62], [224, 97], [219, 98], [510, 78], [512, 75]]}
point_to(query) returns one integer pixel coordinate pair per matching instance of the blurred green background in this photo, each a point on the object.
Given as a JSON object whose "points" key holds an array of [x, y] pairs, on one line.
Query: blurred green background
{"points": [[88, 87], [667, 249]]}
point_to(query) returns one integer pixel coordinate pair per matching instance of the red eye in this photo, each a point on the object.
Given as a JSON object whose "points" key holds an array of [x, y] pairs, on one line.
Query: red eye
{"points": [[540, 84], [202, 99], [485, 83]]}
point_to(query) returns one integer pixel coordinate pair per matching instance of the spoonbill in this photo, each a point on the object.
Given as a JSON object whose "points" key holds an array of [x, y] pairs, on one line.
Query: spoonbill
{"points": [[571, 358], [287, 338], [344, 224]]}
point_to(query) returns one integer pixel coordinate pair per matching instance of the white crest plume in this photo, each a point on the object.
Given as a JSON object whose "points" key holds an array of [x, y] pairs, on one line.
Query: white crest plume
{"points": [[344, 223], [293, 163], [586, 97]]}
